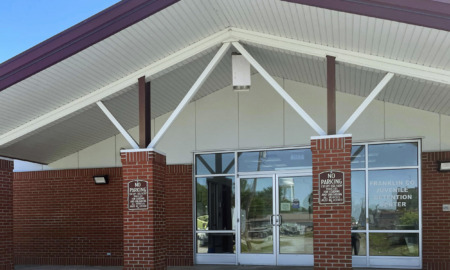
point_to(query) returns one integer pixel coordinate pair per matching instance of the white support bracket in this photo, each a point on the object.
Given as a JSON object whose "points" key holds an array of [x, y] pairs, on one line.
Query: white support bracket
{"points": [[279, 89], [366, 102], [191, 93], [116, 123]]}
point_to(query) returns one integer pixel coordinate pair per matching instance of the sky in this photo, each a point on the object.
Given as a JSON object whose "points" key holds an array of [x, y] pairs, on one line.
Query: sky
{"points": [[26, 23]]}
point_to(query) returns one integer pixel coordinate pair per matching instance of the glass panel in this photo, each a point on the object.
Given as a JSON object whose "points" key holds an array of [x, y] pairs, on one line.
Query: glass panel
{"points": [[215, 243], [220, 163], [394, 244], [393, 155], [256, 213], [295, 204], [359, 244], [358, 200], [358, 156], [215, 203], [393, 200], [275, 160]]}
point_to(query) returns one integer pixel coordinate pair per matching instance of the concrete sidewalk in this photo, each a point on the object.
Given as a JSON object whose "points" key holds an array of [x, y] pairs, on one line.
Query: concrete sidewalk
{"points": [[196, 267]]}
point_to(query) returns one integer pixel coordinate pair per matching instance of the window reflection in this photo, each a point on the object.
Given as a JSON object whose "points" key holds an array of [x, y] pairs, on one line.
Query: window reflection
{"points": [[393, 155], [394, 244], [220, 163], [359, 244], [358, 157], [215, 243], [295, 204], [393, 200], [215, 203], [275, 160], [358, 200]]}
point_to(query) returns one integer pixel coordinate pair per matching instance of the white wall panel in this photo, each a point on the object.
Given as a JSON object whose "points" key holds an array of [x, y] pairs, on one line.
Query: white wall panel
{"points": [[99, 155], [260, 118], [260, 115], [217, 121], [179, 141], [405, 122], [313, 100], [445, 133], [69, 162], [369, 125]]}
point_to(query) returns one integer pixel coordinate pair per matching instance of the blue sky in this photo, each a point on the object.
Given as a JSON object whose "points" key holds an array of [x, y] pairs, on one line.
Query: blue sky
{"points": [[25, 23]]}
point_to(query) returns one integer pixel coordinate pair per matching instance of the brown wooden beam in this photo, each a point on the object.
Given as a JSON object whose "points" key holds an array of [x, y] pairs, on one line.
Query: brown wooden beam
{"points": [[331, 95], [144, 113]]}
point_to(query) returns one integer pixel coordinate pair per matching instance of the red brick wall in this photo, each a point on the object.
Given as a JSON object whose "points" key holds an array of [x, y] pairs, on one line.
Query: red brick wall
{"points": [[6, 214], [436, 223], [144, 231], [332, 222], [62, 217], [179, 231]]}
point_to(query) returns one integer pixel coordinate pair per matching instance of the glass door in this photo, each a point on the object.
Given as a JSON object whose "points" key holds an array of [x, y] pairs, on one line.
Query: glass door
{"points": [[256, 239], [275, 220], [295, 220]]}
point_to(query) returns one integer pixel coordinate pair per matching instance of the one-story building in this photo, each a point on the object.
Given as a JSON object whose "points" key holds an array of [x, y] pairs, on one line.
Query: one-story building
{"points": [[254, 132]]}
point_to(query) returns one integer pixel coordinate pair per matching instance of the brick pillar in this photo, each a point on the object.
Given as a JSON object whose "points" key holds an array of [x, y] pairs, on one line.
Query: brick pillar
{"points": [[144, 240], [332, 221], [6, 214]]}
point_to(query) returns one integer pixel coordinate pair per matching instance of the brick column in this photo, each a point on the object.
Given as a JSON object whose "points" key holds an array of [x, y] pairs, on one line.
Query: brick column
{"points": [[6, 214], [144, 230], [332, 221]]}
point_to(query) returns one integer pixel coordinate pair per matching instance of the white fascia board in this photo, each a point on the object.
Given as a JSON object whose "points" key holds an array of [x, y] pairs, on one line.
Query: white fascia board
{"points": [[355, 58], [117, 86]]}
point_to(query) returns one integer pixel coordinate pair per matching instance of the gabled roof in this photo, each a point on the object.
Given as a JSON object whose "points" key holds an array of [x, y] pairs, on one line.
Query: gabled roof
{"points": [[49, 92]]}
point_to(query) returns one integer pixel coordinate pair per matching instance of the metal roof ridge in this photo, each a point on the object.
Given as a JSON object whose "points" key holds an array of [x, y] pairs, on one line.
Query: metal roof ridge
{"points": [[78, 37]]}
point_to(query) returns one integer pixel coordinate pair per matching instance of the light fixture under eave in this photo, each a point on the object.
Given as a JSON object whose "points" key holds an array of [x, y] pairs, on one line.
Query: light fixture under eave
{"points": [[241, 73], [101, 179], [444, 166]]}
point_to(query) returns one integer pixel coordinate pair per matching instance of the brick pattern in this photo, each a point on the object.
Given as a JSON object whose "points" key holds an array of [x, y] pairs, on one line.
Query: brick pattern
{"points": [[6, 214], [63, 218], [332, 222], [178, 186], [435, 192], [144, 230]]}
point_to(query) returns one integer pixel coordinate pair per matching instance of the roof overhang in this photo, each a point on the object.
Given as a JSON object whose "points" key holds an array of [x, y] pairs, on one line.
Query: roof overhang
{"points": [[59, 85]]}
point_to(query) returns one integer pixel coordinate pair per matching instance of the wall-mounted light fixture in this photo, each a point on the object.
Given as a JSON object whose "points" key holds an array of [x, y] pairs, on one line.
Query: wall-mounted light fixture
{"points": [[444, 166], [240, 68], [101, 179]]}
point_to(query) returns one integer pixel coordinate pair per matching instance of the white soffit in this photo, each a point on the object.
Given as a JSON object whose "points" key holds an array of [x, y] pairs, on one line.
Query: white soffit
{"points": [[184, 23]]}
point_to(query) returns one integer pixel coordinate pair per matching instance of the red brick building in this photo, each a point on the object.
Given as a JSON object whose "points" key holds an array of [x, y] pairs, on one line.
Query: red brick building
{"points": [[174, 133]]}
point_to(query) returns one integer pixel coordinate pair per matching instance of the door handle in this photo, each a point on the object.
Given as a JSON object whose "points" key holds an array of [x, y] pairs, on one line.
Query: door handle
{"points": [[280, 220], [271, 220]]}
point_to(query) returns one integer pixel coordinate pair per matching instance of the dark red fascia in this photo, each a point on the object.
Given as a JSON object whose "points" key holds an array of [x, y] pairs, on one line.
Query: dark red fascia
{"points": [[427, 13], [77, 38]]}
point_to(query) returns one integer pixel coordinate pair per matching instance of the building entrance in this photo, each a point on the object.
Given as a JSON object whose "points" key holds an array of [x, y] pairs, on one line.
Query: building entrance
{"points": [[275, 220]]}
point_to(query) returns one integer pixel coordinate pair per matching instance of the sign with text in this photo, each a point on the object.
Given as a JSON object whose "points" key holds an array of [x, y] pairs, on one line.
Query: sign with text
{"points": [[331, 187], [138, 195]]}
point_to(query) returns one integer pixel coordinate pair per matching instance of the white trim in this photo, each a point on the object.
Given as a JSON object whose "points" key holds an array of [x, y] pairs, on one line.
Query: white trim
{"points": [[355, 58], [230, 34], [191, 93], [142, 150], [116, 123], [279, 89], [114, 87], [366, 102], [330, 136], [8, 159]]}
